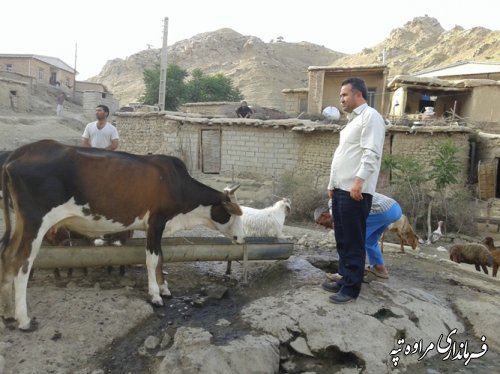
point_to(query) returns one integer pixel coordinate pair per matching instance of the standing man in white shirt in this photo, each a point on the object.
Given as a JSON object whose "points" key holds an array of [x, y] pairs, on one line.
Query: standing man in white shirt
{"points": [[353, 178], [101, 133]]}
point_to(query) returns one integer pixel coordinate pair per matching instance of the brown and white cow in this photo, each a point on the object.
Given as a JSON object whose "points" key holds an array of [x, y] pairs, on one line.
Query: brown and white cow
{"points": [[94, 192]]}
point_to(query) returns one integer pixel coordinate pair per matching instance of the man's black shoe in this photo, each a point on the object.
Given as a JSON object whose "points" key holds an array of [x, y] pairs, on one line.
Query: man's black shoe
{"points": [[331, 286], [340, 298]]}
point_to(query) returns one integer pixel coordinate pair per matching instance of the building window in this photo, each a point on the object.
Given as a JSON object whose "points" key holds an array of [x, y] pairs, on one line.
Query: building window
{"points": [[40, 74], [53, 78], [8, 67], [371, 97]]}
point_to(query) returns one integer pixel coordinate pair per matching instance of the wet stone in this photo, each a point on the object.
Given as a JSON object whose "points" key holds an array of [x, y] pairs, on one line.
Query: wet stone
{"points": [[151, 342]]}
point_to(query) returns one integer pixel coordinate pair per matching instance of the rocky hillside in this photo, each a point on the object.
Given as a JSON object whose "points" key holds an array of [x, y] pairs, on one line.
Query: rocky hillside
{"points": [[423, 43], [261, 70]]}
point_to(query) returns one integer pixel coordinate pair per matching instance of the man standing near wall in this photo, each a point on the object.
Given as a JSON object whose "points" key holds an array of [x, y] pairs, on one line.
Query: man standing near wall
{"points": [[353, 178], [101, 133]]}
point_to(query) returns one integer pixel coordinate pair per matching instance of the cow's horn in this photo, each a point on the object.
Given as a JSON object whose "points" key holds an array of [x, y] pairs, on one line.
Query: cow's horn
{"points": [[232, 188]]}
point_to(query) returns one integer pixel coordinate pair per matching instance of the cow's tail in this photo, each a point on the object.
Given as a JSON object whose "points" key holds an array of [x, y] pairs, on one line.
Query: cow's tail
{"points": [[6, 210]]}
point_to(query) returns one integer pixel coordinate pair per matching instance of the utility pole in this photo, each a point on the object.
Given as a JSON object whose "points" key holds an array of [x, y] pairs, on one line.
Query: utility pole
{"points": [[163, 66]]}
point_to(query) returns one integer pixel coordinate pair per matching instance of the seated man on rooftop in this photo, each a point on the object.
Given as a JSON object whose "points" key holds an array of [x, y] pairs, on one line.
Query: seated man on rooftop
{"points": [[244, 111]]}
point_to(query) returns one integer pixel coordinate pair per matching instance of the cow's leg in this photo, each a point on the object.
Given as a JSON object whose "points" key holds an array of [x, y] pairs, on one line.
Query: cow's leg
{"points": [[21, 281], [485, 269], [157, 285], [6, 297]]}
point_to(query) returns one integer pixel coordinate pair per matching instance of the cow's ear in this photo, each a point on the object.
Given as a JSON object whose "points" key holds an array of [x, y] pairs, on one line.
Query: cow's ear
{"points": [[232, 208]]}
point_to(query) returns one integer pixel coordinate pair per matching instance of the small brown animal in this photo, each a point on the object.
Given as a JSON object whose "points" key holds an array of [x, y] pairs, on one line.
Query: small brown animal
{"points": [[472, 253], [488, 241], [324, 219], [404, 231], [61, 236]]}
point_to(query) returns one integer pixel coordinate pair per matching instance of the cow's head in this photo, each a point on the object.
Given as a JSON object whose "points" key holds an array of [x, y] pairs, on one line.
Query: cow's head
{"points": [[227, 216]]}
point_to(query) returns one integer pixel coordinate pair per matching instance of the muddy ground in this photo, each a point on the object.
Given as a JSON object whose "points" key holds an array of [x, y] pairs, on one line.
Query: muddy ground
{"points": [[102, 323]]}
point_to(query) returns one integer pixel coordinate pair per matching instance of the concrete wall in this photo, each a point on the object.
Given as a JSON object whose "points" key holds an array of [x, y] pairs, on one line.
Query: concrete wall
{"points": [[324, 88], [293, 101], [315, 89], [91, 99], [266, 149], [483, 105], [226, 108]]}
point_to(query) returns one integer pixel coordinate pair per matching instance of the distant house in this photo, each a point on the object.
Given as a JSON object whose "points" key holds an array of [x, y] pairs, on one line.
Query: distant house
{"points": [[325, 83], [46, 70], [90, 94], [473, 100]]}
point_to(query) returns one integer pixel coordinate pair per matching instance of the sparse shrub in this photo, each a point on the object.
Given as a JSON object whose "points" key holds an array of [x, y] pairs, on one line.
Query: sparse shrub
{"points": [[305, 192]]}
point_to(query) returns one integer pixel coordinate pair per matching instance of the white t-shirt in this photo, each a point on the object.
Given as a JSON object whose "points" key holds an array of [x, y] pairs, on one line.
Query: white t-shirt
{"points": [[100, 138]]}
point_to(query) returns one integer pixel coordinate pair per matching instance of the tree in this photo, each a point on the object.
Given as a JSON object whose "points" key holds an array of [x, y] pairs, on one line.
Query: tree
{"points": [[199, 88], [176, 88], [202, 88]]}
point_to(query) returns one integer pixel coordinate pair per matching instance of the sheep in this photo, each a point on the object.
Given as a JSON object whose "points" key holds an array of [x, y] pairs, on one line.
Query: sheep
{"points": [[267, 222], [472, 253], [401, 227], [488, 242], [404, 231]]}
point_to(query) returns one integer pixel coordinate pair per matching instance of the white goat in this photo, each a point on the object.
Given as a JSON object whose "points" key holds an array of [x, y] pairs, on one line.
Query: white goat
{"points": [[267, 222]]}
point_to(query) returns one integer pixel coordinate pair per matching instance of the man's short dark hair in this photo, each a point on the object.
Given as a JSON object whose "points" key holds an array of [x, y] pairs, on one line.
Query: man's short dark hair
{"points": [[357, 84], [104, 108]]}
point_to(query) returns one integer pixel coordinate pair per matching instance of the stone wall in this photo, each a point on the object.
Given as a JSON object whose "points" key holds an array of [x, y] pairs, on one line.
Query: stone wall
{"points": [[424, 143], [269, 148]]}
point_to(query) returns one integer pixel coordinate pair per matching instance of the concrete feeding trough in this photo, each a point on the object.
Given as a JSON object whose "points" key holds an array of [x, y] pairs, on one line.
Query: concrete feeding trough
{"points": [[175, 249]]}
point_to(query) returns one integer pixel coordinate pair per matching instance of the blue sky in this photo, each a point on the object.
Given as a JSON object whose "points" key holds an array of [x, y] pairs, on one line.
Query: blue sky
{"points": [[104, 30]]}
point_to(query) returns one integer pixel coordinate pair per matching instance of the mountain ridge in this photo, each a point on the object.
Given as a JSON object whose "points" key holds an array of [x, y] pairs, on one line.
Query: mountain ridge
{"points": [[262, 70]]}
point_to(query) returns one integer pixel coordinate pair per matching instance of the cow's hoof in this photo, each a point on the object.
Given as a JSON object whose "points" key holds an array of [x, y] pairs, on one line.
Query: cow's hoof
{"points": [[30, 326]]}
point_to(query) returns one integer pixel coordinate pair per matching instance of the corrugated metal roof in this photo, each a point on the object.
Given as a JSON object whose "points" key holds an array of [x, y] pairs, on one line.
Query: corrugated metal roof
{"points": [[54, 61], [358, 68], [461, 68]]}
